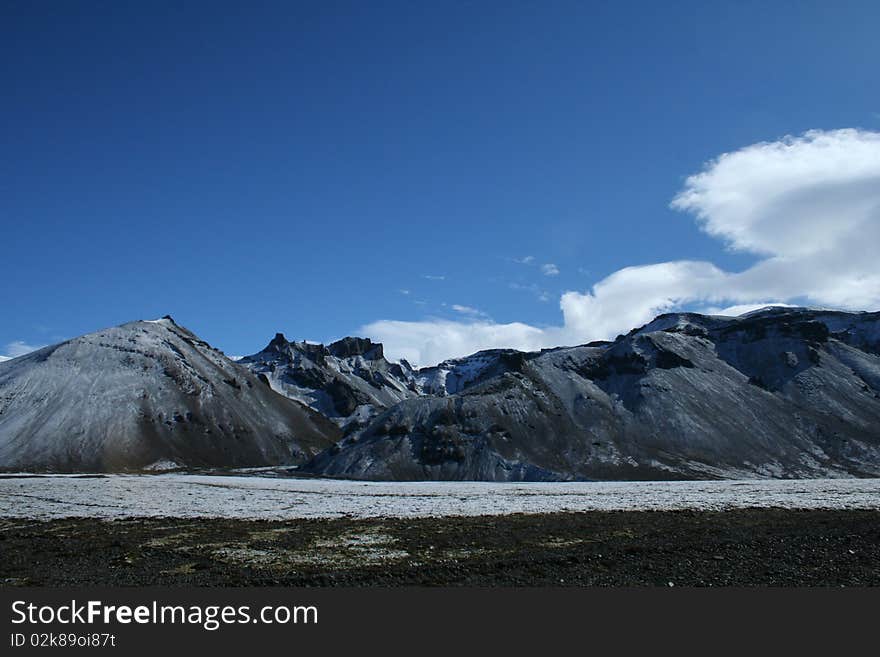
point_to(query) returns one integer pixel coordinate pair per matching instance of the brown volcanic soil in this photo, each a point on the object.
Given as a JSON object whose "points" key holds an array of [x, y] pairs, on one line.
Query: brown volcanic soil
{"points": [[752, 547]]}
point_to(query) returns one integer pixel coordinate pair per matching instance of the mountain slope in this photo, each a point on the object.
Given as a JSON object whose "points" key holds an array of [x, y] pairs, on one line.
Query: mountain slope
{"points": [[144, 393], [777, 393], [351, 382], [348, 381]]}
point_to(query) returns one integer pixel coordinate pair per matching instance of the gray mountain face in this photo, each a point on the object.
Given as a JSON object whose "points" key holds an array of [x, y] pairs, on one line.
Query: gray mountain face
{"points": [[782, 392], [351, 382], [142, 395], [348, 381]]}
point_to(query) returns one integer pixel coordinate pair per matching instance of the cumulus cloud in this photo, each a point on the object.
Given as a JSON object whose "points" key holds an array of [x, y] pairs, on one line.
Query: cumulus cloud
{"points": [[807, 206], [18, 348], [431, 341], [634, 295], [550, 269], [527, 260], [788, 198]]}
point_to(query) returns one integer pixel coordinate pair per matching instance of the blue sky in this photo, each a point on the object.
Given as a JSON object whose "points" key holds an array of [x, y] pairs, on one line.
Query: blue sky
{"points": [[314, 168]]}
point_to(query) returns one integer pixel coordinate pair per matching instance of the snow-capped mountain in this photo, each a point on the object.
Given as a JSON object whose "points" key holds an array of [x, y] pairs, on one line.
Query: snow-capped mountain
{"points": [[147, 394], [351, 382], [348, 381], [782, 392], [454, 375]]}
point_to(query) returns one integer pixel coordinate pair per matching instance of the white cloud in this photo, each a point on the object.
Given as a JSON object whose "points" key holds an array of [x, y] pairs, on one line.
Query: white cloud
{"points": [[431, 277], [19, 348], [788, 198], [550, 269], [467, 310], [430, 341], [808, 206], [635, 295], [525, 261], [743, 308], [404, 292]]}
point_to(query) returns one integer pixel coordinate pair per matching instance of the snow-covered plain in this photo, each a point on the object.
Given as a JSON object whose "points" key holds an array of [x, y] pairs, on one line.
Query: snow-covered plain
{"points": [[255, 497]]}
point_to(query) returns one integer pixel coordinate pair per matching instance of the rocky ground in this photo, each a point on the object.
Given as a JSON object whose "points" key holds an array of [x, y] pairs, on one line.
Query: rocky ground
{"points": [[749, 547]]}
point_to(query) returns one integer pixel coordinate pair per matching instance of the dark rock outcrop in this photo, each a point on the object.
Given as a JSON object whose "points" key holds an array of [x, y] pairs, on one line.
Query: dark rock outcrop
{"points": [[348, 381]]}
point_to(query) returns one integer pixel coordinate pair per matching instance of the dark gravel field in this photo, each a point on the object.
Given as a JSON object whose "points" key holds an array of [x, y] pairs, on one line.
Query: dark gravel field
{"points": [[752, 547]]}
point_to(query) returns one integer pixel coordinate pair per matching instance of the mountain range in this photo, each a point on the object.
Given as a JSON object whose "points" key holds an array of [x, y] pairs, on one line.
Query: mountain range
{"points": [[780, 392]]}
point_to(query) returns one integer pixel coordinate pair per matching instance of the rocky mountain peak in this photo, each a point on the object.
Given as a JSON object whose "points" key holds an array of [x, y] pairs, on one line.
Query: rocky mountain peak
{"points": [[278, 343], [348, 347]]}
